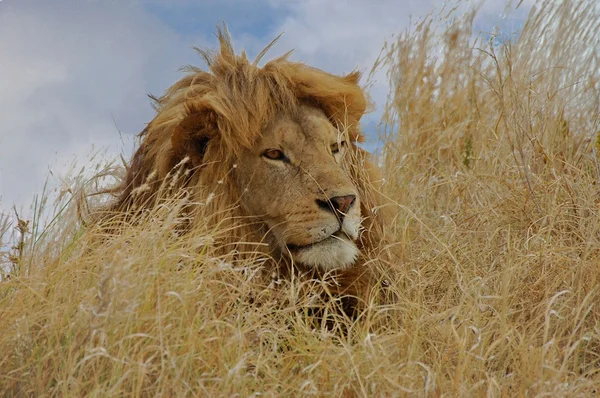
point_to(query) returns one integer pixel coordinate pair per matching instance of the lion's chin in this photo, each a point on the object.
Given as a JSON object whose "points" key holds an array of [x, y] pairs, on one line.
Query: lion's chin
{"points": [[333, 253]]}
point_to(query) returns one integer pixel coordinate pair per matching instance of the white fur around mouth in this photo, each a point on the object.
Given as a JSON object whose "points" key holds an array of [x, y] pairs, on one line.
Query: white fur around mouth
{"points": [[336, 251]]}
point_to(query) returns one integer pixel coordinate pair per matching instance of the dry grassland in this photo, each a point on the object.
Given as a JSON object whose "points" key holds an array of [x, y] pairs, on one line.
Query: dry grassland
{"points": [[491, 158]]}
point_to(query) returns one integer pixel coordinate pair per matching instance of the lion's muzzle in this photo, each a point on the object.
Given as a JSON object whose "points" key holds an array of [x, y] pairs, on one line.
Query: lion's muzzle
{"points": [[332, 245]]}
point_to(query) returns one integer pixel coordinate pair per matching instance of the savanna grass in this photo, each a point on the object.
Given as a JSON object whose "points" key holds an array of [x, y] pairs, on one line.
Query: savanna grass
{"points": [[489, 155]]}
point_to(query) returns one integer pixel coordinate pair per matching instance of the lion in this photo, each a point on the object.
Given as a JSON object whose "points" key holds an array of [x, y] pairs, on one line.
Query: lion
{"points": [[277, 145]]}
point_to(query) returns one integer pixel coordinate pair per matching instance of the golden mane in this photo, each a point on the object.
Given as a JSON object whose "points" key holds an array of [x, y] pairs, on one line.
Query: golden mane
{"points": [[235, 99]]}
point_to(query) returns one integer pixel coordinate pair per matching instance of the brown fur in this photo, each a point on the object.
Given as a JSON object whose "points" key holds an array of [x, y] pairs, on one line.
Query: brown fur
{"points": [[206, 120]]}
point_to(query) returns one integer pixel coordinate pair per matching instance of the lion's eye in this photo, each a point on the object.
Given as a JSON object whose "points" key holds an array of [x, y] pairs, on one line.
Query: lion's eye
{"points": [[274, 154], [335, 148]]}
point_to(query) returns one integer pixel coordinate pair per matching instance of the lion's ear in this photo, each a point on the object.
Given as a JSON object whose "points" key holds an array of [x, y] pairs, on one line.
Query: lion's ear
{"points": [[340, 97], [346, 102], [353, 77], [191, 136]]}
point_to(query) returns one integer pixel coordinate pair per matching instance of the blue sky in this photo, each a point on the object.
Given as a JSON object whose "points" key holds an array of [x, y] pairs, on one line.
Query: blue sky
{"points": [[74, 74]]}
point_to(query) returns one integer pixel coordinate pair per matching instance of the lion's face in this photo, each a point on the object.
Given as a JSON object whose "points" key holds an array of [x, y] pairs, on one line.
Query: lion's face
{"points": [[295, 181], [295, 173]]}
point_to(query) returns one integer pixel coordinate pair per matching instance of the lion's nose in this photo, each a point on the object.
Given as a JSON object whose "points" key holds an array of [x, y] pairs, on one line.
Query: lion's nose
{"points": [[343, 203], [340, 203]]}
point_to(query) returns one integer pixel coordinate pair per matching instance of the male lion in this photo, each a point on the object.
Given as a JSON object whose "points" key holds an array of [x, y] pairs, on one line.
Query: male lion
{"points": [[275, 145]]}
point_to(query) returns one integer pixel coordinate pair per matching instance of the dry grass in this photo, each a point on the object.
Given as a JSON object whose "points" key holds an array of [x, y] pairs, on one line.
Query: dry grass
{"points": [[490, 155]]}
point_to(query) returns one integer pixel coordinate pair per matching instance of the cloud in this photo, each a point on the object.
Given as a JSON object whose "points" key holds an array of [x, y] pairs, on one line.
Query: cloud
{"points": [[70, 71]]}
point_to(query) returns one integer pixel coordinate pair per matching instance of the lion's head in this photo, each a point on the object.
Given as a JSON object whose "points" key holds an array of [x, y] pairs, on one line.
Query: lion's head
{"points": [[275, 144]]}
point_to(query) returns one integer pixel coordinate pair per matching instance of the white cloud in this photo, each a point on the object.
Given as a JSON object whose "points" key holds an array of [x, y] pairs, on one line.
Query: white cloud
{"points": [[68, 68], [338, 35]]}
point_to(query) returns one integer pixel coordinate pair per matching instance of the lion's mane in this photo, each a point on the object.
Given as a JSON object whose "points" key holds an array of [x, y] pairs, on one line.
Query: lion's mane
{"points": [[236, 98]]}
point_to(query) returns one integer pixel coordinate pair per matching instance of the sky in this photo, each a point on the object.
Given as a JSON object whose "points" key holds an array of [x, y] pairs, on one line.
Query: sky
{"points": [[75, 74]]}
